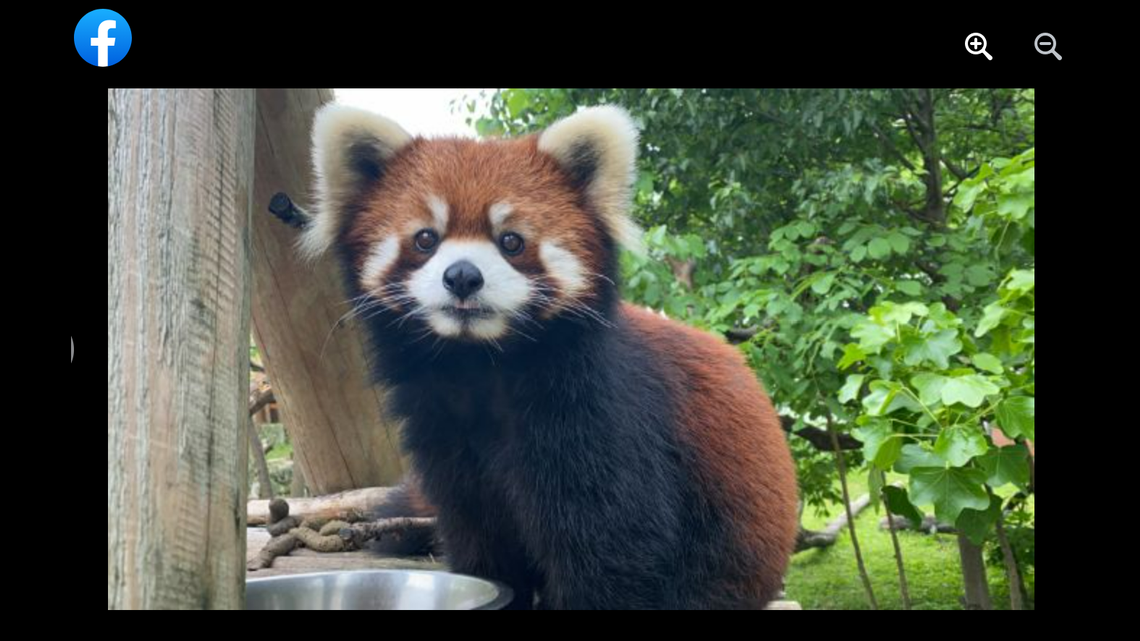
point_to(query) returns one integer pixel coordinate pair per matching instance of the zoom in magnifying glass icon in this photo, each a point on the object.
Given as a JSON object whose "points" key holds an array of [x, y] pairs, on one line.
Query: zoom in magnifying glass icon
{"points": [[976, 43]]}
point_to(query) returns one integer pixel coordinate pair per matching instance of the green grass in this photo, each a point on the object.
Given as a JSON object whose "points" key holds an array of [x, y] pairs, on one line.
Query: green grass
{"points": [[274, 434], [280, 451], [828, 579]]}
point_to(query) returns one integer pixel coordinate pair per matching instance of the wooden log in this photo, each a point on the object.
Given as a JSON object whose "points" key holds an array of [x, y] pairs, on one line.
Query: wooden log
{"points": [[179, 186], [317, 364], [807, 539], [929, 524], [349, 505]]}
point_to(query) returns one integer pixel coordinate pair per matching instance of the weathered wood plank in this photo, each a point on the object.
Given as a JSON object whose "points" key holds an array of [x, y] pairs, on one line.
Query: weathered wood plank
{"points": [[179, 183], [316, 364]]}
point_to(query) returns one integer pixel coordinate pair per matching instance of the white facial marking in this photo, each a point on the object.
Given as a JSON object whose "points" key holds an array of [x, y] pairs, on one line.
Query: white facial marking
{"points": [[380, 259], [438, 209], [444, 325], [563, 267], [489, 328], [504, 289], [498, 212]]}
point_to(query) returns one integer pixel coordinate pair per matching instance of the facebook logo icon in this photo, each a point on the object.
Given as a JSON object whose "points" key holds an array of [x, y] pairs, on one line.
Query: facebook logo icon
{"points": [[102, 38]]}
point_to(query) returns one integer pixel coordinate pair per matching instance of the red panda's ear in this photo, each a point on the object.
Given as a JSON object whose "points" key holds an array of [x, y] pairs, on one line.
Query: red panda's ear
{"points": [[597, 148], [350, 149]]}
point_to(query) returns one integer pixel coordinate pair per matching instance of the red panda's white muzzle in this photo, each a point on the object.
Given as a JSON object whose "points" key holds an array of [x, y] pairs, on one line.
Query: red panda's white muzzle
{"points": [[467, 289]]}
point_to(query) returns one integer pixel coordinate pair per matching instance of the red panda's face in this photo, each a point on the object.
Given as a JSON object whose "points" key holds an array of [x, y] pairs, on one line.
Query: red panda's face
{"points": [[476, 240]]}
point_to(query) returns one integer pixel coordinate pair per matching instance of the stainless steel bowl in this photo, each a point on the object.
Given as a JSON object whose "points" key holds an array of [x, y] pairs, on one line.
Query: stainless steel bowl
{"points": [[375, 590]]}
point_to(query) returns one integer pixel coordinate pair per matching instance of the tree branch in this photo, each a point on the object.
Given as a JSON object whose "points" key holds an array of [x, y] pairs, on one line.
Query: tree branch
{"points": [[959, 173], [818, 437], [890, 146], [737, 335]]}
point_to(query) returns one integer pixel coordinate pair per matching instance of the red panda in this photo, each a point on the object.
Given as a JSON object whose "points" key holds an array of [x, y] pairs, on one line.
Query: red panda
{"points": [[587, 453]]}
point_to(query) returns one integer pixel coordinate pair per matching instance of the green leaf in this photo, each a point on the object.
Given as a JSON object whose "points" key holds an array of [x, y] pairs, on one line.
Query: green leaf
{"points": [[697, 246], [949, 490], [652, 293], [979, 275], [878, 248], [885, 398], [851, 354], [958, 444], [859, 253], [1014, 205], [900, 313], [850, 389], [872, 336], [887, 453], [898, 503], [881, 445], [644, 185], [991, 318], [977, 524], [898, 242], [968, 193], [823, 285], [1020, 280], [487, 127], [936, 349], [929, 387], [914, 455], [909, 287], [1009, 464], [516, 100], [987, 362], [969, 390], [1015, 416], [875, 402]]}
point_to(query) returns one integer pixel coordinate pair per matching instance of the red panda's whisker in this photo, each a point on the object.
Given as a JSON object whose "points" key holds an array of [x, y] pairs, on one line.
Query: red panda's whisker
{"points": [[601, 276], [573, 307], [416, 310], [518, 331], [347, 316], [372, 293]]}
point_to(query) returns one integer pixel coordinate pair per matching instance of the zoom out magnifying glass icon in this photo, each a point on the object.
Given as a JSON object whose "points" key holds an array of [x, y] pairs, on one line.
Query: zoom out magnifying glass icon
{"points": [[1046, 44], [976, 43]]}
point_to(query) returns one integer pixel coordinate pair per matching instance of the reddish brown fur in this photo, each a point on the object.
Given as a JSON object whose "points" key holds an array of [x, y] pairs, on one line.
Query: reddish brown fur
{"points": [[742, 458]]}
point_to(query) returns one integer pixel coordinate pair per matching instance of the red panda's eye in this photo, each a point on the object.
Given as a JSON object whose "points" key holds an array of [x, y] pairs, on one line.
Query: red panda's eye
{"points": [[511, 243], [426, 239]]}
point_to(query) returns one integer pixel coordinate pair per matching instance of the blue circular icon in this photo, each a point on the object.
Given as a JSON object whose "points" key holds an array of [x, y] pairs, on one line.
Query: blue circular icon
{"points": [[102, 37]]}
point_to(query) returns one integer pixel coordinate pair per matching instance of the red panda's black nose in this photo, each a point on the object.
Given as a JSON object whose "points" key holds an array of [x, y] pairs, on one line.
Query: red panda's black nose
{"points": [[463, 279]]}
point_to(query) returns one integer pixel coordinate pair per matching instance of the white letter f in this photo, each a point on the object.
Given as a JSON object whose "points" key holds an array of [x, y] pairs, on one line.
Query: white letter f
{"points": [[103, 41]]}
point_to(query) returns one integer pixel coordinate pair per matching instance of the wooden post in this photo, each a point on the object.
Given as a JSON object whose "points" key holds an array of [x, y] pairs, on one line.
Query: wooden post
{"points": [[179, 181], [316, 365]]}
